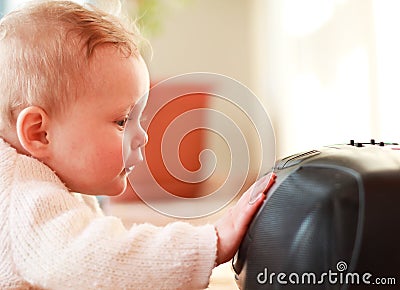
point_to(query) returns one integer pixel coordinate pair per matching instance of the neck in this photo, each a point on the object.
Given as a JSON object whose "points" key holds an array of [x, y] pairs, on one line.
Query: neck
{"points": [[10, 136]]}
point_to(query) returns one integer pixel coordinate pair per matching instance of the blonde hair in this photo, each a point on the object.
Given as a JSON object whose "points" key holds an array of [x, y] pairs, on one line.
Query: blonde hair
{"points": [[44, 50]]}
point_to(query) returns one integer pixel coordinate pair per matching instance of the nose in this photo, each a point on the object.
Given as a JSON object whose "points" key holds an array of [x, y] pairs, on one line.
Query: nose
{"points": [[140, 139], [135, 139]]}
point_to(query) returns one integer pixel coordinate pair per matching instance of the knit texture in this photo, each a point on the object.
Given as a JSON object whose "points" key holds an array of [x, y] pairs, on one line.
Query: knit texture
{"points": [[51, 238]]}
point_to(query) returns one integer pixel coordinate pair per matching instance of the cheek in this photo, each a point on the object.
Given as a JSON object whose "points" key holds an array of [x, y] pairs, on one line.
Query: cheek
{"points": [[108, 154], [95, 155]]}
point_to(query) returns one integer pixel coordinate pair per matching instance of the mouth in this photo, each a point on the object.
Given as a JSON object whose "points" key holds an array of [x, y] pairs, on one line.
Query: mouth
{"points": [[128, 170]]}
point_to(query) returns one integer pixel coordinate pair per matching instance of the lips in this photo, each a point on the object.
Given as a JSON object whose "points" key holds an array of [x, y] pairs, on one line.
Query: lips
{"points": [[129, 169]]}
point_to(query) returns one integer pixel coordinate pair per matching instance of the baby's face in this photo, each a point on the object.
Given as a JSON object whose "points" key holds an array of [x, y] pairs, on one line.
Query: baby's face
{"points": [[88, 138]]}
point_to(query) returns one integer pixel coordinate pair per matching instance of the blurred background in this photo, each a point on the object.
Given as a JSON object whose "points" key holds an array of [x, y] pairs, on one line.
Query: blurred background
{"points": [[325, 70]]}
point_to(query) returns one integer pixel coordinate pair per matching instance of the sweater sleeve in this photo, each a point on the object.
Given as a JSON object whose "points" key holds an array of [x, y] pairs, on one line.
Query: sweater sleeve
{"points": [[59, 242]]}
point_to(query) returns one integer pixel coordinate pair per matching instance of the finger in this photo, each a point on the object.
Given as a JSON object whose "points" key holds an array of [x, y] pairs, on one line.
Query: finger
{"points": [[255, 188], [252, 199], [261, 186], [245, 210]]}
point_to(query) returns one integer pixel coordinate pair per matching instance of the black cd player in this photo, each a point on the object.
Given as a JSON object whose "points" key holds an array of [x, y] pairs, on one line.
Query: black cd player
{"points": [[331, 220]]}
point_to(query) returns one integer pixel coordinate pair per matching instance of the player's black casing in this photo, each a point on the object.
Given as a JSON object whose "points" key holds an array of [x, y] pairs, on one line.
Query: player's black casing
{"points": [[331, 211]]}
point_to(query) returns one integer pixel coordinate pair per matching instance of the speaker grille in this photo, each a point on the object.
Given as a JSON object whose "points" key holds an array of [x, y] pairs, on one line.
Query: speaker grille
{"points": [[308, 224]]}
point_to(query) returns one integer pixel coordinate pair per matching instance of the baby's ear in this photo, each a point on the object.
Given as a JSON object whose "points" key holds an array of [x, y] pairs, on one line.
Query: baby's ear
{"points": [[32, 126]]}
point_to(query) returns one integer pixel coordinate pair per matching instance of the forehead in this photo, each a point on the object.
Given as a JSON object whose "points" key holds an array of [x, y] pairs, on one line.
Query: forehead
{"points": [[116, 80]]}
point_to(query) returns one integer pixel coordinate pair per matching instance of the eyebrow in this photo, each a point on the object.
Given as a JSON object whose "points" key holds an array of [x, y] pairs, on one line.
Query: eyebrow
{"points": [[123, 110], [126, 109]]}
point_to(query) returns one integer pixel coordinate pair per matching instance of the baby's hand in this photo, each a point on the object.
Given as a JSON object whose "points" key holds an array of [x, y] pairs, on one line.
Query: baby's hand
{"points": [[232, 226]]}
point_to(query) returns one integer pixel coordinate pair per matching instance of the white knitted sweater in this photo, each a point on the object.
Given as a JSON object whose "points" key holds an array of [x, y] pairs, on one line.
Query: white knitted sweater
{"points": [[51, 238]]}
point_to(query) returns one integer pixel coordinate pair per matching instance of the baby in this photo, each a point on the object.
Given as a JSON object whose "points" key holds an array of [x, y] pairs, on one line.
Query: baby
{"points": [[69, 78]]}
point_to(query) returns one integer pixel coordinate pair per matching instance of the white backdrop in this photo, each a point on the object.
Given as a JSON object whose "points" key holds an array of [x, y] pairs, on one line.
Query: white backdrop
{"points": [[328, 70]]}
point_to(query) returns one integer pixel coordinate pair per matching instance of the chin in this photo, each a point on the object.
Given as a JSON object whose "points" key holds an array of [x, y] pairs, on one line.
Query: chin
{"points": [[114, 187], [117, 189]]}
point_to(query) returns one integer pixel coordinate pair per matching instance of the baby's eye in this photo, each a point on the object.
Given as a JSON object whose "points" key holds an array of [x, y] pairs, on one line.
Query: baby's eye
{"points": [[122, 122]]}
